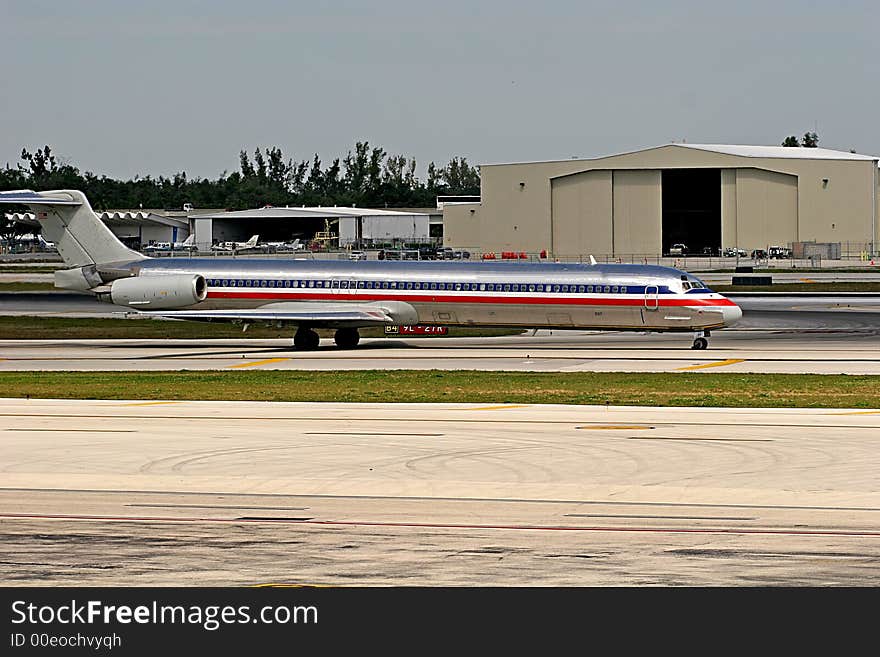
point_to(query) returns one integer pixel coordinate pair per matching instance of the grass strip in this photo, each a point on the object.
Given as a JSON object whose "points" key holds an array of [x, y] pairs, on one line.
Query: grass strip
{"points": [[27, 286], [30, 269], [617, 388]]}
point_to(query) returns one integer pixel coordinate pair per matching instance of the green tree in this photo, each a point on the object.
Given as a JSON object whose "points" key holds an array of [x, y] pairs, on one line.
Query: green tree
{"points": [[366, 176], [810, 140], [247, 169], [260, 165], [460, 178], [11, 230], [791, 141], [279, 170]]}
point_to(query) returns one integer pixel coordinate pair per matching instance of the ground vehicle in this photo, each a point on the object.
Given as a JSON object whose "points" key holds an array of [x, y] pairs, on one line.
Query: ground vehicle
{"points": [[778, 252], [461, 255], [759, 254], [357, 255], [446, 253], [678, 249], [734, 252]]}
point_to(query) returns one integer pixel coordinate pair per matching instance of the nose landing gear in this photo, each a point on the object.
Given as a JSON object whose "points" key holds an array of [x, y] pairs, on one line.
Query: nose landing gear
{"points": [[700, 341]]}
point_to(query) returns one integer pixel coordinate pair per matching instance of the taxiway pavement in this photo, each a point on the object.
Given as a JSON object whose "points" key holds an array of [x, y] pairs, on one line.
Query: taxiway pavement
{"points": [[215, 493], [850, 351]]}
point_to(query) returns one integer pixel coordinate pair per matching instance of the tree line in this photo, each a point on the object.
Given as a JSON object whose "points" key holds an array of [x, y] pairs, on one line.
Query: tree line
{"points": [[368, 176], [809, 140]]}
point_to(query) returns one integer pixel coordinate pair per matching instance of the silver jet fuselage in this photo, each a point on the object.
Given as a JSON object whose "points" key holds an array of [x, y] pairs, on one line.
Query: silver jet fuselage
{"points": [[612, 296]]}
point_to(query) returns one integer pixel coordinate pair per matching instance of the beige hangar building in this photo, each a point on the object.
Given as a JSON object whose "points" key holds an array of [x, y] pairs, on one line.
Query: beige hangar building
{"points": [[703, 195]]}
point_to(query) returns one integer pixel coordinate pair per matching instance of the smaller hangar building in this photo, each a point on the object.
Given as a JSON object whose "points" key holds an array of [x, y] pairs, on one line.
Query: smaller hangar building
{"points": [[352, 226], [703, 195]]}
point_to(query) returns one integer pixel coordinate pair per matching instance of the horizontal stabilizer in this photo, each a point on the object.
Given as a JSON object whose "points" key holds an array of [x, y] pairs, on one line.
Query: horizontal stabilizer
{"points": [[27, 197]]}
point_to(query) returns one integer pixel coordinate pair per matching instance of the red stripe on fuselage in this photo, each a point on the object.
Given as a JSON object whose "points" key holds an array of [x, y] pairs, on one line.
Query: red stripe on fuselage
{"points": [[663, 301]]}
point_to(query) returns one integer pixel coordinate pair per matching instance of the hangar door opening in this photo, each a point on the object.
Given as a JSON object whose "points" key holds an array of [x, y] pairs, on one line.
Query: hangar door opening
{"points": [[692, 210]]}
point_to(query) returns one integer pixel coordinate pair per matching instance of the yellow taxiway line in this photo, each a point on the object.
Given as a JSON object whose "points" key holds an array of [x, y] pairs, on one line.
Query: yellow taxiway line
{"points": [[720, 363], [631, 427], [257, 363], [499, 408], [858, 413]]}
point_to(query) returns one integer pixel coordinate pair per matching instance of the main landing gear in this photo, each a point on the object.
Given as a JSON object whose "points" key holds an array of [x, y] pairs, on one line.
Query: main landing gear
{"points": [[700, 341], [306, 339], [347, 338]]}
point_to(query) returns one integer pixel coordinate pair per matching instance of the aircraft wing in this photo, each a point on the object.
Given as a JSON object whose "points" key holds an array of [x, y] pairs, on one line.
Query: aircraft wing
{"points": [[328, 315]]}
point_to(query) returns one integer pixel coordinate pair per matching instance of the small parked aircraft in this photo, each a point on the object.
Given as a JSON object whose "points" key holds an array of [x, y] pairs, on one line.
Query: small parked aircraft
{"points": [[237, 246], [295, 245]]}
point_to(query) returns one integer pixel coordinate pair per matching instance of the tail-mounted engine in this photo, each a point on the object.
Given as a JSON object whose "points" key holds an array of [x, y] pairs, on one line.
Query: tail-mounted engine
{"points": [[158, 292]]}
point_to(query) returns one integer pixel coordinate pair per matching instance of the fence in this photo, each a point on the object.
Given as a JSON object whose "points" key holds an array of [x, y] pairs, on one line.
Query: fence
{"points": [[800, 255]]}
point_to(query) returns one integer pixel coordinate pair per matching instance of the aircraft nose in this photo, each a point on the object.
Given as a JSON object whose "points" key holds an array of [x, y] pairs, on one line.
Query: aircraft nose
{"points": [[731, 314]]}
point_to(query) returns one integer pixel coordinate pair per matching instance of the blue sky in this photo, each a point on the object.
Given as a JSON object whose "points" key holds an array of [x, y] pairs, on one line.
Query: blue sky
{"points": [[169, 86]]}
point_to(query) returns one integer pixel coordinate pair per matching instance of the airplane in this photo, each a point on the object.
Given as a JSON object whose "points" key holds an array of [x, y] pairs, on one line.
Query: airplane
{"points": [[186, 245], [295, 245], [348, 295], [237, 246], [189, 244], [44, 244]]}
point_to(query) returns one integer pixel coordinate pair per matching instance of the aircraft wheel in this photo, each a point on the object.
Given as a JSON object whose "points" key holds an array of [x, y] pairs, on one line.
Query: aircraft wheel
{"points": [[700, 343], [347, 338], [306, 340]]}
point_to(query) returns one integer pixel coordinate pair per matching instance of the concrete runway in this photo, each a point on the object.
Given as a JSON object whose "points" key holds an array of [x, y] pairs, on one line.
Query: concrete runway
{"points": [[215, 493], [109, 493], [849, 351], [837, 334], [55, 304]]}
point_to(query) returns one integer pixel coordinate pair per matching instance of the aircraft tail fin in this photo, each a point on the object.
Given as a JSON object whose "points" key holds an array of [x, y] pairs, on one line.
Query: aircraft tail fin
{"points": [[252, 242], [592, 260], [191, 238], [68, 220]]}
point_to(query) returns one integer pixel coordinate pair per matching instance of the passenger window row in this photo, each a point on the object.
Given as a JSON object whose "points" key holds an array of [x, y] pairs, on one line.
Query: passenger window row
{"points": [[418, 285]]}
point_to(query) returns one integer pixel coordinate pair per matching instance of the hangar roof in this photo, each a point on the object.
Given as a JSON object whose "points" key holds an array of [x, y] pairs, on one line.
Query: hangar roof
{"points": [[740, 150], [112, 218], [301, 213], [796, 152], [141, 219]]}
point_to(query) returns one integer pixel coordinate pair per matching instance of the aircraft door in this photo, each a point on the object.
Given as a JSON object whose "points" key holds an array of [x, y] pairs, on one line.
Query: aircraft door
{"points": [[652, 297]]}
